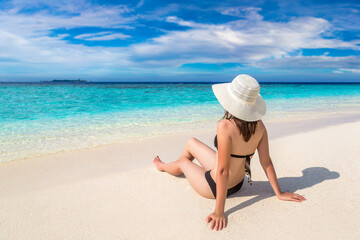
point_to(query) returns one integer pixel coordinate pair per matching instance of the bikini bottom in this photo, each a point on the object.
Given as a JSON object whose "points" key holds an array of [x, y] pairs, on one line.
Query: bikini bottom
{"points": [[212, 185]]}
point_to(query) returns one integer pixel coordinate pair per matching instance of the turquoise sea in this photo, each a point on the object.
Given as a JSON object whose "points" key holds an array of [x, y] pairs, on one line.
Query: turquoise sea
{"points": [[38, 119]]}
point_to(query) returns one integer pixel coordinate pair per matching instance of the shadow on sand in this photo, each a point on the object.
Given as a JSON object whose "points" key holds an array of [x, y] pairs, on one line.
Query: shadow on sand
{"points": [[262, 189]]}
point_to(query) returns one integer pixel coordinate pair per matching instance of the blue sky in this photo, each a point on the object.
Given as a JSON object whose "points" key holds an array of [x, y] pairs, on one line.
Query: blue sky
{"points": [[179, 40]]}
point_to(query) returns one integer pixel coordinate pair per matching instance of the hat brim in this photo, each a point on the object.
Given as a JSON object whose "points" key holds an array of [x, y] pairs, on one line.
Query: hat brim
{"points": [[238, 107]]}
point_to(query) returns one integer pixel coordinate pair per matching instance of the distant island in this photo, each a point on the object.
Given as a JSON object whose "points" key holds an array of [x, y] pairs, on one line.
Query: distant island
{"points": [[65, 81]]}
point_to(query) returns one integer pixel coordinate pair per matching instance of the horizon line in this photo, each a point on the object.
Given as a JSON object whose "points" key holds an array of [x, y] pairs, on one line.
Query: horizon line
{"points": [[167, 82]]}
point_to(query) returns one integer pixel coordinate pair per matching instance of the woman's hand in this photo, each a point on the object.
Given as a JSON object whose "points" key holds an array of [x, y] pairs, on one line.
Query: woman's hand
{"points": [[217, 220], [287, 196]]}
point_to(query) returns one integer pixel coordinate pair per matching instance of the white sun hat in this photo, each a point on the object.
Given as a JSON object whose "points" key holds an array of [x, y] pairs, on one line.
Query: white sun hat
{"points": [[241, 98]]}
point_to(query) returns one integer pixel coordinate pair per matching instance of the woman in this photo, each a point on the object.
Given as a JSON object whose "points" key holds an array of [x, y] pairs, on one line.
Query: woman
{"points": [[239, 134]]}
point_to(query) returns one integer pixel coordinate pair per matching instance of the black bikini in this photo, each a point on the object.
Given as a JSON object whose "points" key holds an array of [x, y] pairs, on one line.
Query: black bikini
{"points": [[236, 188]]}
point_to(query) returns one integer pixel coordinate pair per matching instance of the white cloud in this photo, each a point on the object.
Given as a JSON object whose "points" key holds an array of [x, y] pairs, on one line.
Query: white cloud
{"points": [[89, 35], [27, 40], [354, 70], [42, 22], [242, 41], [244, 12], [101, 36], [50, 50], [72, 6], [140, 3], [250, 41], [109, 37], [309, 62], [181, 22]]}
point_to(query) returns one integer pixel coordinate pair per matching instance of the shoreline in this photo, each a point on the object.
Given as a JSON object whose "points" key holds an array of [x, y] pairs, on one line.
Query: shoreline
{"points": [[115, 192], [305, 122], [56, 119]]}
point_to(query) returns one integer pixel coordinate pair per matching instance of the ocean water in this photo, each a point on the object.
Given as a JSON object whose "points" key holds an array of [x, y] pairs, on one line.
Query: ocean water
{"points": [[38, 119]]}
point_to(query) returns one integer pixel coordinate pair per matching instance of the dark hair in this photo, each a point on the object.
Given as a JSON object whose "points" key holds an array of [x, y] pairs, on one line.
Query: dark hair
{"points": [[247, 129]]}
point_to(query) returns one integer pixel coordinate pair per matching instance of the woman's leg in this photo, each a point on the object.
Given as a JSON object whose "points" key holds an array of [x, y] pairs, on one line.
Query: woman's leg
{"points": [[199, 150], [196, 177], [193, 173], [193, 149], [172, 167]]}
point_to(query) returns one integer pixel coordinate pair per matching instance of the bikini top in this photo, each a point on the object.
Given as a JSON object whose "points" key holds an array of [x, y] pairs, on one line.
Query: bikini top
{"points": [[247, 161]]}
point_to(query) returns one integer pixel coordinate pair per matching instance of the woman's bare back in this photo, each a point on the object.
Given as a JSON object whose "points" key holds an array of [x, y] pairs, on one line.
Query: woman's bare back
{"points": [[239, 147]]}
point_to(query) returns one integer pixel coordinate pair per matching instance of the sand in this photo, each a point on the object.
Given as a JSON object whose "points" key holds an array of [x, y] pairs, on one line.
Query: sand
{"points": [[114, 191]]}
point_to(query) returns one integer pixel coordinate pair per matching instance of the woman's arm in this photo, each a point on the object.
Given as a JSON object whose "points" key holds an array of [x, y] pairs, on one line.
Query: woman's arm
{"points": [[267, 165], [217, 218]]}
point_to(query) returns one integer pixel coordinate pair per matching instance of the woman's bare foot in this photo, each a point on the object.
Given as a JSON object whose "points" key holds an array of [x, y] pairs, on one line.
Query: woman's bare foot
{"points": [[158, 163]]}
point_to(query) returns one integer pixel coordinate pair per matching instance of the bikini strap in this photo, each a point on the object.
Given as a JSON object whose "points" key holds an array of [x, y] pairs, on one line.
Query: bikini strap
{"points": [[247, 168], [247, 165], [242, 156]]}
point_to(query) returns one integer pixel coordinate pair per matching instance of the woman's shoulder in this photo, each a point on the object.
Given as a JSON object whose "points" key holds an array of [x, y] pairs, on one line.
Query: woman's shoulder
{"points": [[223, 122], [261, 125], [224, 125], [261, 128]]}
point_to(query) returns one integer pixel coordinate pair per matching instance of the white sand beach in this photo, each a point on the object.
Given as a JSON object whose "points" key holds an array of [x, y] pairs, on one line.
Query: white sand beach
{"points": [[114, 191]]}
